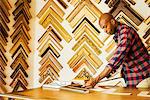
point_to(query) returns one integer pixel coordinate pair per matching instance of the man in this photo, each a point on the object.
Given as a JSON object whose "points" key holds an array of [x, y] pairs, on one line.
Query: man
{"points": [[130, 53]]}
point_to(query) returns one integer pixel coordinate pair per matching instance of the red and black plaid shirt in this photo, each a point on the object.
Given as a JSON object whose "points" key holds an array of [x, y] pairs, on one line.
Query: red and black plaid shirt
{"points": [[131, 54]]}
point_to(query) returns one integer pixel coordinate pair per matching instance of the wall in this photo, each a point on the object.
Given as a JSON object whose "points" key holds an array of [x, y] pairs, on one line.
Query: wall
{"points": [[66, 41]]}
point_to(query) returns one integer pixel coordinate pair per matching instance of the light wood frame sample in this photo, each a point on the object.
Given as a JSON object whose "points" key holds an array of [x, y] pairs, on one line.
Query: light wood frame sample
{"points": [[85, 53], [50, 41], [52, 4], [88, 31], [85, 8], [51, 17], [50, 67], [83, 75], [147, 21], [84, 38], [51, 35]]}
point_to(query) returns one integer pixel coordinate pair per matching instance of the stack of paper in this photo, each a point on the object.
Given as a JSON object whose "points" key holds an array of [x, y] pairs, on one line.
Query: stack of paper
{"points": [[78, 89], [51, 86], [55, 85], [144, 94], [112, 82]]}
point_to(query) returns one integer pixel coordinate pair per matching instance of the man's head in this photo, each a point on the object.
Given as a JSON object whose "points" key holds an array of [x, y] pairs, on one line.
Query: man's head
{"points": [[108, 23]]}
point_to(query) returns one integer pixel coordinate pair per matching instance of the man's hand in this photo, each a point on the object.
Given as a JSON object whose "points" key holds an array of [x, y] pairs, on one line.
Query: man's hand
{"points": [[93, 81], [90, 83]]}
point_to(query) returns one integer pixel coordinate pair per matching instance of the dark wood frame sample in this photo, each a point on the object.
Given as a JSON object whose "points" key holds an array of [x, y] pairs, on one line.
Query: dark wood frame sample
{"points": [[20, 50], [4, 29]]}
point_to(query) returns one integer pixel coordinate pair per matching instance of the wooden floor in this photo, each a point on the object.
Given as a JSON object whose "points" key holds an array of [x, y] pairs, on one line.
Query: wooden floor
{"points": [[45, 94]]}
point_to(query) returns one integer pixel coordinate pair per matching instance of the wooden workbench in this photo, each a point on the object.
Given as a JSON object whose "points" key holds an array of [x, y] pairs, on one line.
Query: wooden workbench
{"points": [[42, 94]]}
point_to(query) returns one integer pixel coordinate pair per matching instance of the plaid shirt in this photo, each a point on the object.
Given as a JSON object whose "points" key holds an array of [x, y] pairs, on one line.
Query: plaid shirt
{"points": [[131, 54]]}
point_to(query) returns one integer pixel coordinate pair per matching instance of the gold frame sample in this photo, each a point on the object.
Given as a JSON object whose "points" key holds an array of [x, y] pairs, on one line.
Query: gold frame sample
{"points": [[85, 8]]}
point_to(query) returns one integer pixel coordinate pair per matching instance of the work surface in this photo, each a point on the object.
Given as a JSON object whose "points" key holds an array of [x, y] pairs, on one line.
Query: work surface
{"points": [[42, 94]]}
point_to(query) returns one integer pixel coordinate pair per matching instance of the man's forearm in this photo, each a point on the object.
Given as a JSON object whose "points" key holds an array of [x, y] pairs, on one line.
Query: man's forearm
{"points": [[103, 74]]}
